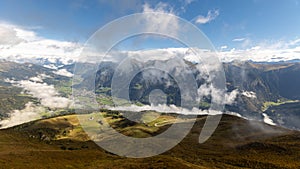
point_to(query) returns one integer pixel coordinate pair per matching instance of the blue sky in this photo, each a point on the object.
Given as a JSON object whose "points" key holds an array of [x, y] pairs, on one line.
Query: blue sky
{"points": [[229, 24], [77, 20]]}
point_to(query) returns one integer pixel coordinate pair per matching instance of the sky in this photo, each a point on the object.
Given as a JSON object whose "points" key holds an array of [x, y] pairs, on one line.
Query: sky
{"points": [[255, 29]]}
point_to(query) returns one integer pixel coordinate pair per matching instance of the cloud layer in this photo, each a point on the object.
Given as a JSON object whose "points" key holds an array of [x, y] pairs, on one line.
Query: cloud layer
{"points": [[22, 44], [47, 94], [29, 113]]}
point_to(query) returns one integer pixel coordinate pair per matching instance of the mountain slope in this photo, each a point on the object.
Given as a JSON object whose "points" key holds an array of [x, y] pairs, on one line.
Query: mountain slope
{"points": [[260, 86], [237, 143]]}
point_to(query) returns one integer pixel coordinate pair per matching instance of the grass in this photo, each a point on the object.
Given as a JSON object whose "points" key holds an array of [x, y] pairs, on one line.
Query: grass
{"points": [[150, 116], [103, 90], [266, 105], [105, 100], [204, 105], [138, 86], [235, 144], [64, 88], [109, 101]]}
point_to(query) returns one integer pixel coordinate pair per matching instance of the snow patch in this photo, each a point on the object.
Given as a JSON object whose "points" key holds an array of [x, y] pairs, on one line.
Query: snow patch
{"points": [[63, 72], [268, 120], [51, 66], [249, 94]]}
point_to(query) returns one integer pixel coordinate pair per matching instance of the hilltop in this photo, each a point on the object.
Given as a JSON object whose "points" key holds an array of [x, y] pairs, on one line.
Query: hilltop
{"points": [[60, 142]]}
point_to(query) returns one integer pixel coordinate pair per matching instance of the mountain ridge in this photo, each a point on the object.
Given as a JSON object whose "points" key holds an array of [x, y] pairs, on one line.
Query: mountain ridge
{"points": [[235, 144]]}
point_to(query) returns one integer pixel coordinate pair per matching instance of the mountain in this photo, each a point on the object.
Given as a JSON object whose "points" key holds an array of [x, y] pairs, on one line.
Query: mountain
{"points": [[274, 85], [274, 80], [47, 62], [40, 129], [60, 142], [285, 114], [269, 82], [259, 85]]}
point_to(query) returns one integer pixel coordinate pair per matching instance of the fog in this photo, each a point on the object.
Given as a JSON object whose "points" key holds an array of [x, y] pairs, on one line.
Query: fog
{"points": [[29, 113], [47, 94]]}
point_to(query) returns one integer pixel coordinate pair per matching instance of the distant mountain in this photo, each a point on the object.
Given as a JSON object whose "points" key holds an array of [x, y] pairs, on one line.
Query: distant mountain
{"points": [[268, 93], [287, 114], [53, 63], [261, 86]]}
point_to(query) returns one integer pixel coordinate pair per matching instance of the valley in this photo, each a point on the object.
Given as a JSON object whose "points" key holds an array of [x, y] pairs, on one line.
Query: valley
{"points": [[54, 136], [149, 84]]}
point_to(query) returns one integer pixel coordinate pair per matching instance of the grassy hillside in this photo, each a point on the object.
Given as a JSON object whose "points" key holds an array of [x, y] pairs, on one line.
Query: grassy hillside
{"points": [[237, 143]]}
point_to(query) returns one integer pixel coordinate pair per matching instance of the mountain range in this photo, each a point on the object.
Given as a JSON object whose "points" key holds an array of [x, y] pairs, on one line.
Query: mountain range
{"points": [[259, 87], [259, 128]]}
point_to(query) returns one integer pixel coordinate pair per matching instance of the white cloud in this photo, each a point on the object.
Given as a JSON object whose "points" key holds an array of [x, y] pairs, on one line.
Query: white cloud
{"points": [[18, 43], [166, 109], [224, 47], [185, 4], [264, 52], [260, 52], [239, 39], [22, 44], [156, 54], [244, 42], [294, 42], [16, 34], [230, 97], [63, 72], [160, 7], [36, 79], [47, 94], [189, 1], [160, 23], [211, 15], [8, 36], [218, 95], [29, 113]]}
